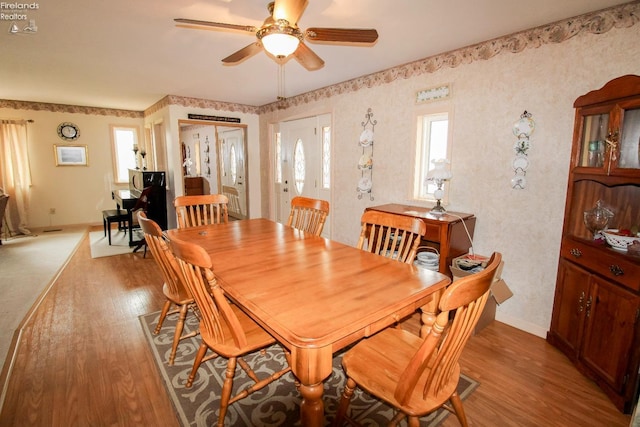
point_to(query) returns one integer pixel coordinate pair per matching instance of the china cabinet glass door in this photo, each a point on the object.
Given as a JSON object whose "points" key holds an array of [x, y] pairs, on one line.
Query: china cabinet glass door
{"points": [[610, 138], [630, 140], [594, 133]]}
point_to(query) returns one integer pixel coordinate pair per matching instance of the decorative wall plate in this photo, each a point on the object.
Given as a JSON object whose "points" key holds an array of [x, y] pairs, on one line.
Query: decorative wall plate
{"points": [[366, 138], [521, 162], [523, 127], [518, 181], [365, 162], [365, 184]]}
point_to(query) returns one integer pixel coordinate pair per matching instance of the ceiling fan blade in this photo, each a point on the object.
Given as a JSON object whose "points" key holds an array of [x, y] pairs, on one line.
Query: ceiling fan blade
{"points": [[290, 10], [194, 23], [307, 58], [244, 53], [341, 35]]}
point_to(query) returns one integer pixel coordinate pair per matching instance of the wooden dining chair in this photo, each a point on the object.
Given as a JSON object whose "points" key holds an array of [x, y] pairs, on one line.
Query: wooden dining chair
{"points": [[201, 210], [174, 290], [224, 328], [391, 235], [234, 199], [308, 215], [419, 375]]}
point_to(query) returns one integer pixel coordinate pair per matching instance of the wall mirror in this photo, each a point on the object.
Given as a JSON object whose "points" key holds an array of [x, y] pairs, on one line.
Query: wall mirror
{"points": [[214, 161]]}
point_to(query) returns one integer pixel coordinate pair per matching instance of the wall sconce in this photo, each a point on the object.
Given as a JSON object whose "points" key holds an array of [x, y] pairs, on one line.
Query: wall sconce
{"points": [[438, 175]]}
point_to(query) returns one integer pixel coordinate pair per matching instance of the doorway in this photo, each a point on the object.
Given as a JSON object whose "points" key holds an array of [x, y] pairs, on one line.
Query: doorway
{"points": [[214, 156], [303, 163]]}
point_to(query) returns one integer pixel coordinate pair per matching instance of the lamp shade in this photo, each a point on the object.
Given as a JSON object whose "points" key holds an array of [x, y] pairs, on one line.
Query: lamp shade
{"points": [[280, 45], [440, 171]]}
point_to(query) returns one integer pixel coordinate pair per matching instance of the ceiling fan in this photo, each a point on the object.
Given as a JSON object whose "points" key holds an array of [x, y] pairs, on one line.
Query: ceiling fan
{"points": [[280, 36]]}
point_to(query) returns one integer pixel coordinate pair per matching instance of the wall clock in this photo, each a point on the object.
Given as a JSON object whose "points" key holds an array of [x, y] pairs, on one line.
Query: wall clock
{"points": [[68, 131]]}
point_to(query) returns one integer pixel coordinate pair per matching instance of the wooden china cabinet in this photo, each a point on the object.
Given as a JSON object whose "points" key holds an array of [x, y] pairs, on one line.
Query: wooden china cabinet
{"points": [[596, 310]]}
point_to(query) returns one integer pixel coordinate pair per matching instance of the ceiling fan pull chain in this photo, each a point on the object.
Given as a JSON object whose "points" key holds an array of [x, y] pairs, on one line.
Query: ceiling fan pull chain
{"points": [[281, 83]]}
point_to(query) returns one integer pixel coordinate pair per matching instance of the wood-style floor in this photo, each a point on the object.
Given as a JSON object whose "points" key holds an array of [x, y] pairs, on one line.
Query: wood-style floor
{"points": [[83, 361]]}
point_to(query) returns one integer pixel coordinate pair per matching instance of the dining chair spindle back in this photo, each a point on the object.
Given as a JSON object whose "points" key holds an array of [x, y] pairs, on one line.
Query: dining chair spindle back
{"points": [[203, 209], [391, 235], [308, 215], [419, 375]]}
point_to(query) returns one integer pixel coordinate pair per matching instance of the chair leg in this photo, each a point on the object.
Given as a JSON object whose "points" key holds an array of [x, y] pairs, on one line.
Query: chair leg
{"points": [[456, 402], [395, 421], [177, 335], [258, 383], [104, 226], [347, 394], [226, 390], [196, 364], [163, 315]]}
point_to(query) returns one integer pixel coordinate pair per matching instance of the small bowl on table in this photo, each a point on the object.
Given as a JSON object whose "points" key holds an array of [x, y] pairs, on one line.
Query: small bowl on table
{"points": [[618, 241]]}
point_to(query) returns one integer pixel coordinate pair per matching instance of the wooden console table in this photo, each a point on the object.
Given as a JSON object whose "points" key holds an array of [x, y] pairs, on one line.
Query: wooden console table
{"points": [[445, 233]]}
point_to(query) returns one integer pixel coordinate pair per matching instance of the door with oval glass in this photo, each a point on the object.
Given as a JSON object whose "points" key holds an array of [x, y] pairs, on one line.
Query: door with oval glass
{"points": [[305, 163], [215, 153], [232, 170]]}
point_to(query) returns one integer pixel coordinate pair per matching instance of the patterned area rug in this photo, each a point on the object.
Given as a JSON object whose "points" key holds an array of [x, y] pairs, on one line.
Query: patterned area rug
{"points": [[275, 405]]}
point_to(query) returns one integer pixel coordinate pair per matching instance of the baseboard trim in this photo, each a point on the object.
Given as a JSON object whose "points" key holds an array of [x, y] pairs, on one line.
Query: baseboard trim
{"points": [[522, 325]]}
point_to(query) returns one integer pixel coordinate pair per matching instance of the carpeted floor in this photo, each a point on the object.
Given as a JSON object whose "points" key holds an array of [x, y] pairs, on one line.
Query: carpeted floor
{"points": [[28, 265], [275, 405]]}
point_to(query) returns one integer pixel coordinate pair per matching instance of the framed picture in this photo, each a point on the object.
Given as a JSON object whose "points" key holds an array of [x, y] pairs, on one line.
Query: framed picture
{"points": [[71, 155]]}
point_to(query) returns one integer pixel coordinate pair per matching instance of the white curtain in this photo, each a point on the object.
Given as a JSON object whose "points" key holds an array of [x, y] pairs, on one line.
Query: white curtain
{"points": [[15, 173]]}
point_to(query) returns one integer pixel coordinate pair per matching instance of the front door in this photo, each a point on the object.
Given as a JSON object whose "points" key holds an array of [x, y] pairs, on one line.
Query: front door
{"points": [[304, 163]]}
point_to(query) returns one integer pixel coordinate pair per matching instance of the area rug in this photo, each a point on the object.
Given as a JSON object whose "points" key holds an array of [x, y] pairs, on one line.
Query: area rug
{"points": [[275, 405], [119, 243]]}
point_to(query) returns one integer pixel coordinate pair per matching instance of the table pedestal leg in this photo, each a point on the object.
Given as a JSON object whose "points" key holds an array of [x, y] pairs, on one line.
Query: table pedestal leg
{"points": [[312, 408], [311, 366], [429, 313]]}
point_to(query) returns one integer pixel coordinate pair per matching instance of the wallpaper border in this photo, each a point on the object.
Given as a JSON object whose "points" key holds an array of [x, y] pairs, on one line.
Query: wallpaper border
{"points": [[599, 22]]}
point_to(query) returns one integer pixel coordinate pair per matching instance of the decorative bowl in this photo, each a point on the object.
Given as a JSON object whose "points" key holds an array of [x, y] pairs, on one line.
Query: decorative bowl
{"points": [[617, 241]]}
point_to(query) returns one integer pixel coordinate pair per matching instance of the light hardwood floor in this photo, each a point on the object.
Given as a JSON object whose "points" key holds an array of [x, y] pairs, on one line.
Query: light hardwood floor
{"points": [[83, 361]]}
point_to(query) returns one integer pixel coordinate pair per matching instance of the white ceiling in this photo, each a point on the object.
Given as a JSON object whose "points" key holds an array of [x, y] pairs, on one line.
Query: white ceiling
{"points": [[129, 54]]}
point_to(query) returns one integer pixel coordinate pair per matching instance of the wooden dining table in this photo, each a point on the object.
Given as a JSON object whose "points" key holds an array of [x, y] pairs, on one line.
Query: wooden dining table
{"points": [[314, 295]]}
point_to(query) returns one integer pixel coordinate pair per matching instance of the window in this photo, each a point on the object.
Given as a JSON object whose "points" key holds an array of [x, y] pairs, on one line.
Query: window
{"points": [[433, 143], [299, 166], [278, 160], [326, 157], [124, 139], [233, 164]]}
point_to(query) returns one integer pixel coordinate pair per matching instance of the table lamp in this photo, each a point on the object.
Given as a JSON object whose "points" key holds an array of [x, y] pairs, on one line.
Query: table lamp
{"points": [[438, 175]]}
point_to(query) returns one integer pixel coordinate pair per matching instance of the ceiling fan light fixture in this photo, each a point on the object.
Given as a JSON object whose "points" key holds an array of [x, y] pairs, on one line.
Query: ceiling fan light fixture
{"points": [[280, 39]]}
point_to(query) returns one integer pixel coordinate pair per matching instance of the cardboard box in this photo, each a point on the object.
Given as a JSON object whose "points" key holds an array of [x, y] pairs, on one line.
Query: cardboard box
{"points": [[500, 292]]}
